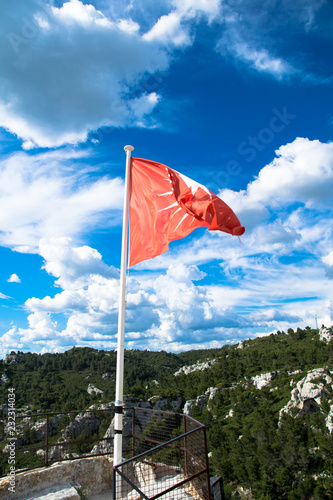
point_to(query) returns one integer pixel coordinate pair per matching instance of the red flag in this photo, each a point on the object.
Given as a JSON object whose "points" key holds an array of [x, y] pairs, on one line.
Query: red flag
{"points": [[166, 205]]}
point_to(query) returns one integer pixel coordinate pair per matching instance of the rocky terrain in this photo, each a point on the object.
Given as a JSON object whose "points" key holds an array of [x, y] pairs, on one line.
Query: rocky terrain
{"points": [[267, 404]]}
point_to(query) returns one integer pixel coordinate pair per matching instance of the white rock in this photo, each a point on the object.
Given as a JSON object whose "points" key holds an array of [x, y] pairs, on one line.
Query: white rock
{"points": [[309, 392], [326, 334], [62, 492], [308, 389], [329, 420], [92, 474], [4, 379], [93, 390], [197, 367], [84, 421], [264, 379]]}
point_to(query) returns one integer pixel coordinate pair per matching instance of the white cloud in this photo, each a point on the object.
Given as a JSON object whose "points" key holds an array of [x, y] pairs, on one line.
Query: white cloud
{"points": [[328, 261], [142, 106], [72, 265], [174, 28], [193, 7], [259, 59], [13, 278], [274, 279], [302, 172], [56, 58], [169, 29], [50, 194], [76, 55], [128, 25], [169, 307], [253, 35]]}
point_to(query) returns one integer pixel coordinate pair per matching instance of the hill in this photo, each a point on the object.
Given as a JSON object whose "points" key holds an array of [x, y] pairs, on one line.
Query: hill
{"points": [[267, 403]]}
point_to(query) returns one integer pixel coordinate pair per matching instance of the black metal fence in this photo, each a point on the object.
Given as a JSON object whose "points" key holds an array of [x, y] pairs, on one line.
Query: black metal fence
{"points": [[42, 439], [164, 453], [170, 459]]}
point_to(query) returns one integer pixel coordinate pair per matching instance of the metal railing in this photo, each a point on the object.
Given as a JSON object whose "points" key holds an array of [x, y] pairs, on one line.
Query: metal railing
{"points": [[164, 453], [45, 438], [170, 459]]}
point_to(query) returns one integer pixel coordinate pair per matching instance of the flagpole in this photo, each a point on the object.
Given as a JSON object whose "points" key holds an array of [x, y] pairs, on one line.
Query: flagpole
{"points": [[118, 423]]}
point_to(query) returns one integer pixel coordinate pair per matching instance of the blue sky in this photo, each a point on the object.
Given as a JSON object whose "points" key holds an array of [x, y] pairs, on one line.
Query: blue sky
{"points": [[236, 95]]}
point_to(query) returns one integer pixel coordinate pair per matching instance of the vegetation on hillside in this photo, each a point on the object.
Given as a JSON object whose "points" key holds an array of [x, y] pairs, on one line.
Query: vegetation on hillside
{"points": [[252, 446]]}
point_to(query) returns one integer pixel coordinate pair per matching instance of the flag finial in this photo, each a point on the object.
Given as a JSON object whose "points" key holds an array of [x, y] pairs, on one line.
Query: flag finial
{"points": [[128, 148]]}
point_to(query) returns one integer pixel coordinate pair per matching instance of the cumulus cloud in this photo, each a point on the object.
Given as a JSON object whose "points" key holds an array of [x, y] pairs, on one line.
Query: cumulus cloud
{"points": [[302, 172], [169, 29], [72, 264], [13, 278], [174, 28], [275, 278], [169, 307], [50, 194], [56, 58]]}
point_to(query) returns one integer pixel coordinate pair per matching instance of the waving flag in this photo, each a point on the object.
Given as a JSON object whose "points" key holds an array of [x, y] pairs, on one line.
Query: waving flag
{"points": [[166, 205]]}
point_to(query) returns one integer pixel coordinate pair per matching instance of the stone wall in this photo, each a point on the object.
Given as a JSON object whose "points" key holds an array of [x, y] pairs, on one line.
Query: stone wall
{"points": [[91, 474]]}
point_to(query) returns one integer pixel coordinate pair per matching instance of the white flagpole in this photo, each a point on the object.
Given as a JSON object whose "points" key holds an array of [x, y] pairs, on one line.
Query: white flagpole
{"points": [[118, 421]]}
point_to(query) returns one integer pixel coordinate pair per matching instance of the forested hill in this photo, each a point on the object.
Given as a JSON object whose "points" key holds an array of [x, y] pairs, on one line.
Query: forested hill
{"points": [[267, 403]]}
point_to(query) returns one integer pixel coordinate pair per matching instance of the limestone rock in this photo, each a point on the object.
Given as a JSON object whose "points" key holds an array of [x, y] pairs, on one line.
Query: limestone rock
{"points": [[310, 389], [92, 474], [93, 390], [62, 492], [158, 403], [329, 420], [326, 334], [193, 368], [84, 421], [309, 392], [200, 401], [264, 379], [4, 379], [230, 414], [13, 358], [129, 402]]}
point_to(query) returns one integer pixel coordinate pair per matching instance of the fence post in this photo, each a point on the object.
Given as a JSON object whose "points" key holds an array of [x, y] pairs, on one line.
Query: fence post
{"points": [[114, 494], [207, 464], [133, 432], [185, 444], [47, 441]]}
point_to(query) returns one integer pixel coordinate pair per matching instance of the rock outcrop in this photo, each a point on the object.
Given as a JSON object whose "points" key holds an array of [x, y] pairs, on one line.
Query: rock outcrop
{"points": [[93, 390], [329, 420], [158, 403], [83, 422], [89, 474], [326, 334], [4, 379], [306, 397], [264, 379], [200, 401], [193, 368], [129, 402]]}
